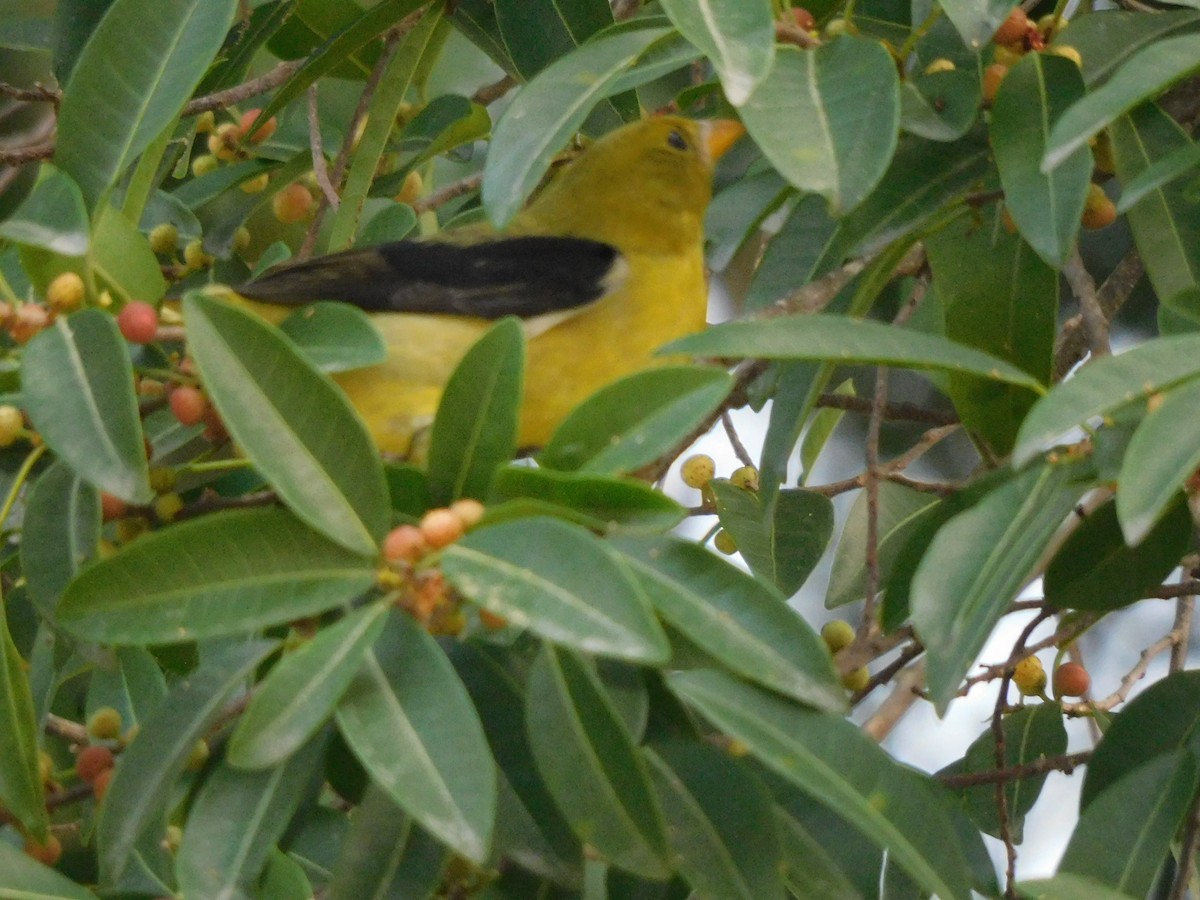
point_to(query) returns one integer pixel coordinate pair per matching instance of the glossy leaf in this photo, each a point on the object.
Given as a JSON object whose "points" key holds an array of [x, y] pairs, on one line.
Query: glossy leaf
{"points": [[1107, 42], [559, 582], [939, 106], [122, 259], [716, 812], [52, 217], [21, 789], [1094, 569], [828, 758], [736, 619], [1066, 886], [476, 426], [632, 422], [1142, 77], [1125, 833], [221, 574], [844, 98], [134, 685], [61, 530], [78, 390], [140, 792], [979, 561], [784, 546], [293, 423], [590, 764], [1104, 386], [820, 429], [335, 336], [976, 20], [805, 247], [901, 509], [845, 341], [411, 724], [216, 860], [537, 32], [737, 37], [303, 689], [1158, 173], [1046, 206], [101, 130]]}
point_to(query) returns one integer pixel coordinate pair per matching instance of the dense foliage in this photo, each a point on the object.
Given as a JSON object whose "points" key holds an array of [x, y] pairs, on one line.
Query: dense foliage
{"points": [[223, 670]]}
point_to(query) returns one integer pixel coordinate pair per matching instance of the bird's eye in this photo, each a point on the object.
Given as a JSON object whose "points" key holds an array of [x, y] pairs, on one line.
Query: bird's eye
{"points": [[677, 140]]}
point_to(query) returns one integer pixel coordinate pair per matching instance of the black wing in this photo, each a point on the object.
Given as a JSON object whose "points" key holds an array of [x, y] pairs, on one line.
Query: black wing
{"points": [[521, 276]]}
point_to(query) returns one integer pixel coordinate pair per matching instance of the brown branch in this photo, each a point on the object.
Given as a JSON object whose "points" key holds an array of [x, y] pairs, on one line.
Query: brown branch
{"points": [[739, 449], [1132, 677], [905, 692], [1067, 763], [490, 93], [907, 412], [1095, 322], [1071, 345], [66, 729], [252, 88], [19, 156], [320, 168], [1184, 608], [39, 93], [446, 193], [1005, 669]]}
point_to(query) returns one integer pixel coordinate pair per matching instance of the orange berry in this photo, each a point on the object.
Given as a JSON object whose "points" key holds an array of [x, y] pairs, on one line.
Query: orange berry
{"points": [[1098, 210], [111, 507], [100, 784], [1007, 220], [441, 527], [48, 853], [492, 621], [65, 292], [405, 543], [469, 512], [188, 404], [91, 761], [1071, 680], [411, 189], [292, 204], [1014, 28], [28, 320], [803, 18], [262, 132], [992, 76], [138, 322]]}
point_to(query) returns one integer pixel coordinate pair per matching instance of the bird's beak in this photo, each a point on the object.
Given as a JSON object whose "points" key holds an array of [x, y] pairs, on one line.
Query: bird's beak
{"points": [[718, 135]]}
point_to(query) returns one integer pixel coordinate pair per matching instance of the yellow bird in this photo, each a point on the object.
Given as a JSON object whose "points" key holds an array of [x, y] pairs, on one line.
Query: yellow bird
{"points": [[603, 267]]}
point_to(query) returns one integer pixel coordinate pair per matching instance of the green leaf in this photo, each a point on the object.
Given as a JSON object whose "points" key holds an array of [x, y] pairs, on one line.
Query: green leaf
{"points": [[715, 813], [537, 32], [1095, 570], [21, 790], [560, 582], [979, 561], [478, 416], [595, 501], [61, 530], [1105, 385], [301, 692], [52, 217], [1107, 42], [117, 103], [737, 37], [591, 766], [335, 336], [831, 760], [820, 429], [976, 20], [140, 792], [998, 297], [1142, 77], [224, 573], [1166, 222], [27, 879], [843, 100], [1065, 886], [293, 423], [411, 724], [781, 546], [737, 619], [77, 385], [548, 111], [1125, 833], [847, 341], [1030, 733], [901, 510], [1163, 719], [940, 106], [805, 247], [1046, 207], [122, 259], [1157, 174], [632, 422], [133, 684], [216, 860]]}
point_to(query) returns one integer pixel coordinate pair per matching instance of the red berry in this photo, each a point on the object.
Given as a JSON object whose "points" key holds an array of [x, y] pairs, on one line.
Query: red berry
{"points": [[292, 204], [188, 404], [48, 853], [91, 761], [100, 784], [803, 18], [111, 507], [1071, 680], [1014, 28], [138, 322]]}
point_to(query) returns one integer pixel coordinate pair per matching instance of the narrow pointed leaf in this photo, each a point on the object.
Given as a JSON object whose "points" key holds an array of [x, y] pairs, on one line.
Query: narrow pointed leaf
{"points": [[61, 530], [21, 789], [843, 100], [591, 766], [224, 573], [561, 583], [1067, 886], [829, 759], [77, 385], [410, 722], [737, 37], [293, 422], [302, 691], [537, 32], [1157, 174], [599, 502]]}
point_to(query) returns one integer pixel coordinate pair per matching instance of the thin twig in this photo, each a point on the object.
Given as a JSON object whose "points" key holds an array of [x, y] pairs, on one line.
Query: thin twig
{"points": [[245, 90], [39, 93], [320, 168], [905, 692], [66, 729], [1064, 635], [1184, 607], [19, 156], [1072, 345], [1095, 323], [1067, 763], [1132, 677], [448, 192], [908, 412], [739, 449], [1186, 867], [490, 93]]}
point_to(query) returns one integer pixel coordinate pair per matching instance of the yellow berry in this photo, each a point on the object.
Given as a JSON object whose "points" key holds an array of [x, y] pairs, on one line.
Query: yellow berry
{"points": [[104, 724], [412, 188], [1102, 154], [745, 477], [1049, 25], [194, 255], [1008, 56], [203, 165], [941, 64], [65, 293], [198, 757], [836, 27], [162, 479], [255, 185], [1067, 52], [241, 239], [469, 512], [206, 122], [11, 425], [45, 766], [223, 142], [857, 679], [837, 634], [173, 838], [697, 471], [1098, 210], [992, 76], [164, 238], [167, 506], [1030, 677], [723, 542]]}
